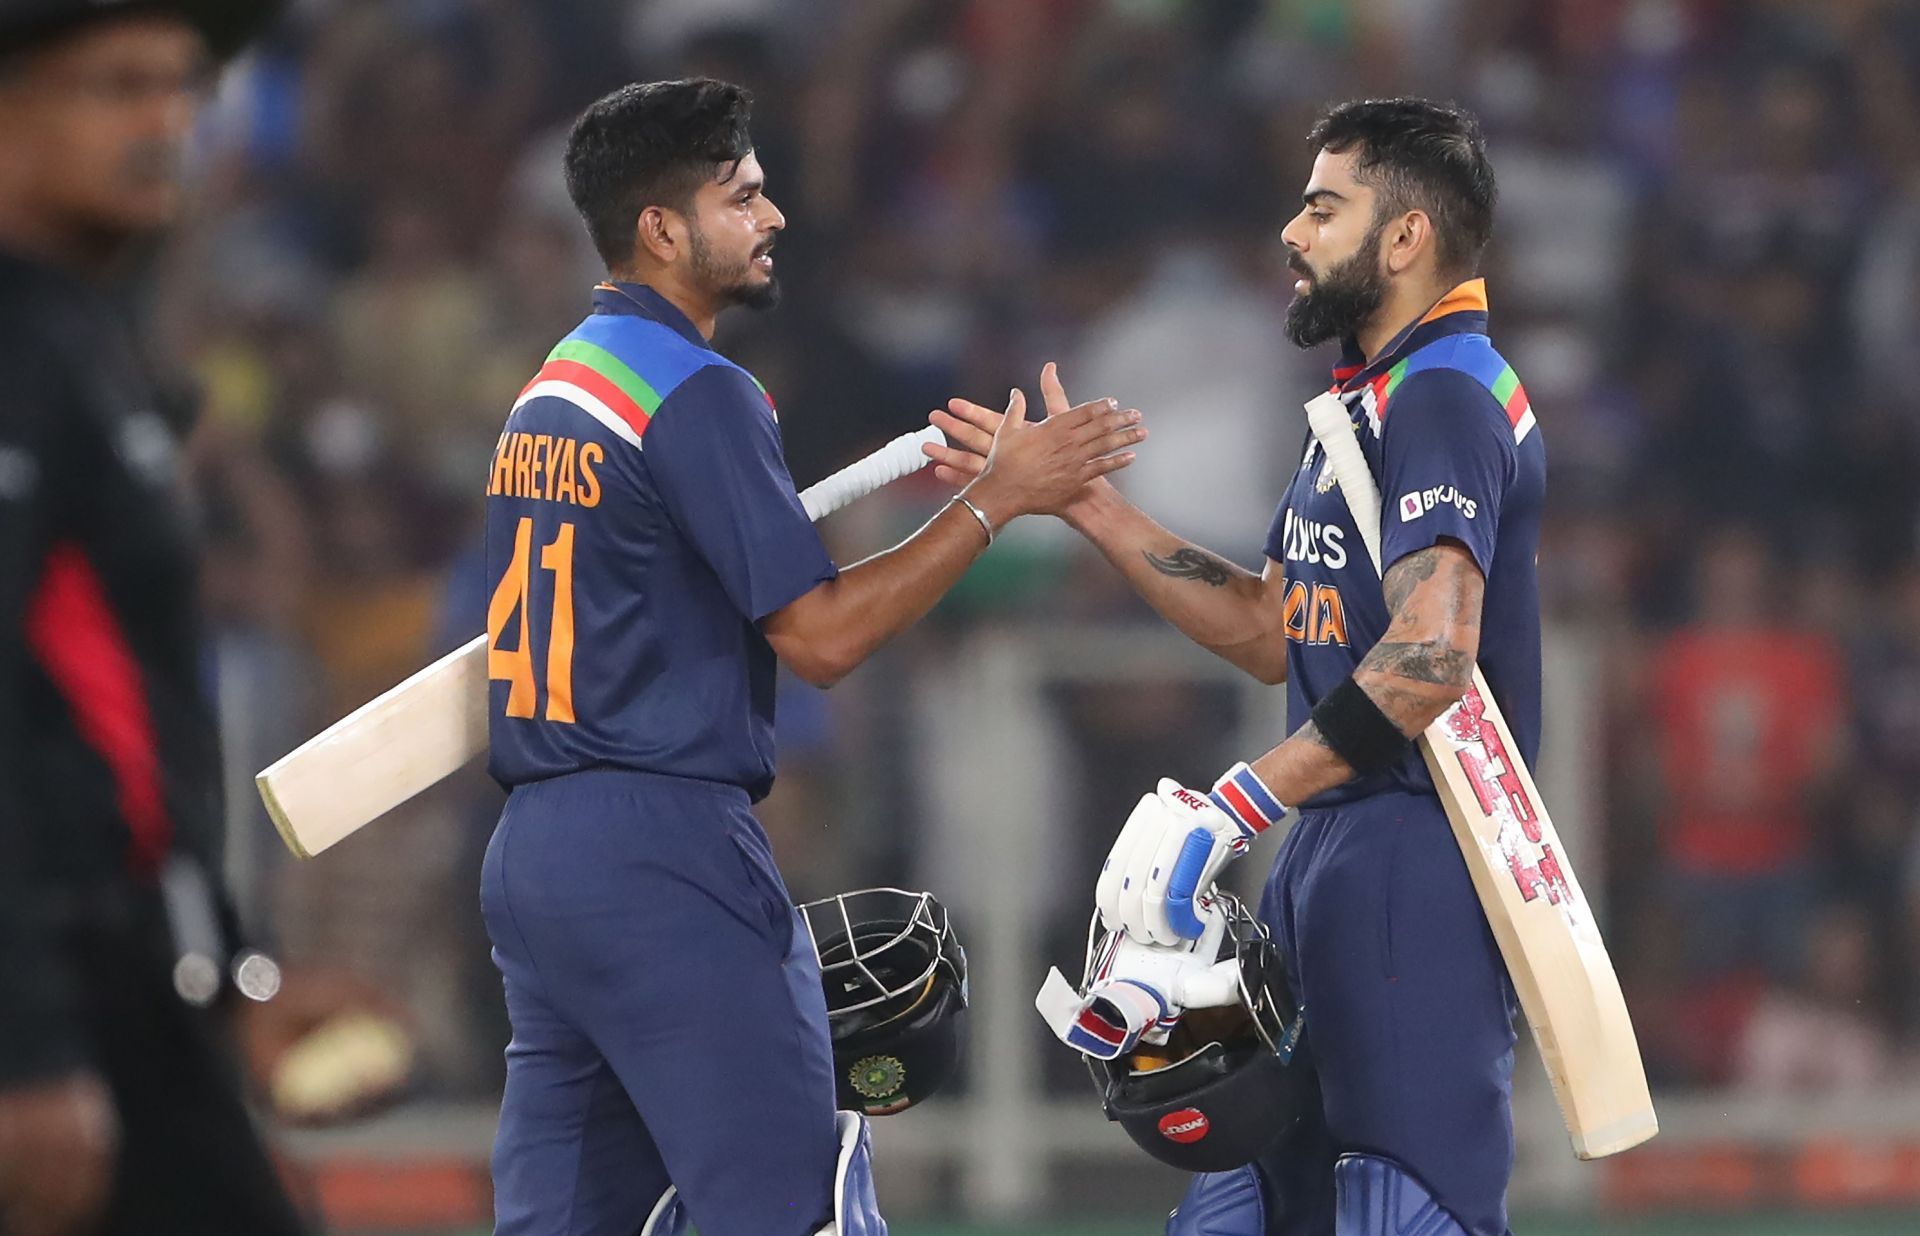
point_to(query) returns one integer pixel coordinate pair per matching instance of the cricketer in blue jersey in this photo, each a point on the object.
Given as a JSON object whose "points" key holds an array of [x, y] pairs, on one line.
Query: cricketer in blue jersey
{"points": [[649, 564], [1408, 1008]]}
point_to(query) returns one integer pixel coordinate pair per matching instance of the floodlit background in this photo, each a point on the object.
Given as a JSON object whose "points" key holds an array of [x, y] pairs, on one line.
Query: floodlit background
{"points": [[1706, 268]]}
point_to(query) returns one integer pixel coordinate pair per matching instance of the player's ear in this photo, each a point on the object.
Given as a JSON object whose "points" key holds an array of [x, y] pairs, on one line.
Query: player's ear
{"points": [[1406, 239], [660, 234]]}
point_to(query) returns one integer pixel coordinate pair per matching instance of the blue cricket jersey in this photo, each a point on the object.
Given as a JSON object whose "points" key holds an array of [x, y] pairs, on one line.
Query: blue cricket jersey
{"points": [[640, 522], [1451, 440]]}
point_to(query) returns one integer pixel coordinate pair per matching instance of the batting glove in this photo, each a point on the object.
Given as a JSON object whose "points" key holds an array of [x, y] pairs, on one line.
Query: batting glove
{"points": [[1137, 991], [1173, 847]]}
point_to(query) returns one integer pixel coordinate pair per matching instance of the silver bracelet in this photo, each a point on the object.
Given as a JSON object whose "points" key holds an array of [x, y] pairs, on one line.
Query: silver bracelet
{"points": [[977, 514]]}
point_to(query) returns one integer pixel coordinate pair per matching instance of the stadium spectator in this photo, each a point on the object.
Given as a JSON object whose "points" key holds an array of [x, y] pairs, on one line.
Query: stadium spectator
{"points": [[1745, 709]]}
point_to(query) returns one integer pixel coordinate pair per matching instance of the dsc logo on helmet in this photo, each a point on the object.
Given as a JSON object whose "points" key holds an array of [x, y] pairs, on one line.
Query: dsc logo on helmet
{"points": [[1189, 1124]]}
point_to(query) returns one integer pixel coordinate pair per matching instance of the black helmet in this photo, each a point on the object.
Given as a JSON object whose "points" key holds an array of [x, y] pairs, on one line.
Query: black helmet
{"points": [[1223, 1087], [896, 985]]}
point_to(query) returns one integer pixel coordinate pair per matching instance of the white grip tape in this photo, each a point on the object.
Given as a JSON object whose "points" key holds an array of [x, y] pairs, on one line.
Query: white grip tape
{"points": [[898, 458], [1327, 416]]}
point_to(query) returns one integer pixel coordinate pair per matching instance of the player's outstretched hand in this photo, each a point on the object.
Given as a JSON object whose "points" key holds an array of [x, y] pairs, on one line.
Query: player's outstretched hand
{"points": [[58, 1143], [1169, 853], [1057, 461]]}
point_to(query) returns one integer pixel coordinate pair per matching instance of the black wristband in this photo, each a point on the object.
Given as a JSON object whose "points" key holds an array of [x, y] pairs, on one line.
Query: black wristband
{"points": [[1357, 731]]}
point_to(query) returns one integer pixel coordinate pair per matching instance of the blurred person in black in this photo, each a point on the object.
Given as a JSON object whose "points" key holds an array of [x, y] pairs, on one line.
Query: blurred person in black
{"points": [[120, 1101]]}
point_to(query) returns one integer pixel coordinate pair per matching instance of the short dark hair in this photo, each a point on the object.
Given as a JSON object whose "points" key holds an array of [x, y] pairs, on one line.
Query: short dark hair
{"points": [[1420, 155], [652, 144]]}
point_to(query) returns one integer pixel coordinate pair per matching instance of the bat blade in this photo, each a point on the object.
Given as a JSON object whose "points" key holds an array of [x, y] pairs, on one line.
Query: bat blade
{"points": [[382, 754], [1544, 926]]}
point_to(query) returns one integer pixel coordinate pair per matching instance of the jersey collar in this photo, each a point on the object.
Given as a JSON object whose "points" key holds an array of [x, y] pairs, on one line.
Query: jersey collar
{"points": [[1462, 311], [619, 296]]}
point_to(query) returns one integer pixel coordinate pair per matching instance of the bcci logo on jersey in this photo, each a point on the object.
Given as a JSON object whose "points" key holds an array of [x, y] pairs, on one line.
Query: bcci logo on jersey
{"points": [[1418, 502]]}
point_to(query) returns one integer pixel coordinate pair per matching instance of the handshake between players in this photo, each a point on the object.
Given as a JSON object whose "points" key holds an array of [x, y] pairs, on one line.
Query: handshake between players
{"points": [[1153, 895], [1177, 840]]}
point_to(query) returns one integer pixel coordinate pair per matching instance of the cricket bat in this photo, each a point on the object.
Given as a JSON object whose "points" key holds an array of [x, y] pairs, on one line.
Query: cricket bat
{"points": [[1523, 875], [422, 731]]}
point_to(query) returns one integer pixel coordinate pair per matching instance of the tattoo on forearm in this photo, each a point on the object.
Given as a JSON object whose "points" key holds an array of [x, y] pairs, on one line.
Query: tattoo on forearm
{"points": [[1406, 575], [1434, 590], [1439, 664], [1191, 563]]}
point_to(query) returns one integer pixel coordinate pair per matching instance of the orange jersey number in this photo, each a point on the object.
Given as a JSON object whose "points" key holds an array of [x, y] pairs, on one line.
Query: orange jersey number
{"points": [[510, 597]]}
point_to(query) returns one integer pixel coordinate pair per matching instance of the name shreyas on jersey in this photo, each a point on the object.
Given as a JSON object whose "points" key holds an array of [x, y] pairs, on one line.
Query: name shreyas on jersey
{"points": [[546, 466], [1416, 503]]}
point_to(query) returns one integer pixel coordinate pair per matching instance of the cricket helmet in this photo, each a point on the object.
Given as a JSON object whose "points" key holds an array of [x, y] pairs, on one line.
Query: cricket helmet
{"points": [[226, 25], [896, 986], [1224, 1085]]}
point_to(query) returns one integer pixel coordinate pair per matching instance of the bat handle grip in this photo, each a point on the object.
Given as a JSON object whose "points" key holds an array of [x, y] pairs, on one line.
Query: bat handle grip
{"points": [[896, 459], [1327, 417]]}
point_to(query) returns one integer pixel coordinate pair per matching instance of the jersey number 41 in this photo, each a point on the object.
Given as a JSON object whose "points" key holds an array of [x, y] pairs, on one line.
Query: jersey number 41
{"points": [[514, 595]]}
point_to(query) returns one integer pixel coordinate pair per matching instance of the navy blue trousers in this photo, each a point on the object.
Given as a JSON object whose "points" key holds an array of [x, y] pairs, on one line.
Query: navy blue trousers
{"points": [[669, 1025], [1408, 1008]]}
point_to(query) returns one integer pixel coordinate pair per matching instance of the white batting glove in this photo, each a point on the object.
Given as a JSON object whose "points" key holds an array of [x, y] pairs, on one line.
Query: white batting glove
{"points": [[1137, 991], [1172, 849]]}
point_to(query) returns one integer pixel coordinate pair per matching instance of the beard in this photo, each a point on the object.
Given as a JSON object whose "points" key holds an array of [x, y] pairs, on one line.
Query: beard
{"points": [[734, 283], [1340, 302]]}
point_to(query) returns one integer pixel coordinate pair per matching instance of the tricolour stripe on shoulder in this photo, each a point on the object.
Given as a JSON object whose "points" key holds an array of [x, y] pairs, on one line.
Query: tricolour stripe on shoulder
{"points": [[611, 367], [606, 387], [1513, 401], [655, 352], [764, 393], [1474, 356], [590, 401]]}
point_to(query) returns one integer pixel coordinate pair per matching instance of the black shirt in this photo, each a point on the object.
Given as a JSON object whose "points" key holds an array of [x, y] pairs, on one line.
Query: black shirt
{"points": [[109, 757]]}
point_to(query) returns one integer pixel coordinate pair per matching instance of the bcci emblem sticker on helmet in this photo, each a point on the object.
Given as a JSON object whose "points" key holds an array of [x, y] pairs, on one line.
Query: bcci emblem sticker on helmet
{"points": [[879, 1078], [896, 987]]}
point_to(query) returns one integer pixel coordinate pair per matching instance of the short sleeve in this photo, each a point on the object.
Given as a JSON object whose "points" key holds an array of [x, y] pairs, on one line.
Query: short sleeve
{"points": [[1276, 546], [1448, 458], [713, 451]]}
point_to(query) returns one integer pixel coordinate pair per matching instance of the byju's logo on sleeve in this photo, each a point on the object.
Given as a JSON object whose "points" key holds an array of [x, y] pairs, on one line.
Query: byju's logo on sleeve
{"points": [[1418, 502]]}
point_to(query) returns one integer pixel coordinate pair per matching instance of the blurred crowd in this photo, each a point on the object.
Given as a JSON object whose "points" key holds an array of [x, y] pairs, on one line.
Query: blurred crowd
{"points": [[1706, 267]]}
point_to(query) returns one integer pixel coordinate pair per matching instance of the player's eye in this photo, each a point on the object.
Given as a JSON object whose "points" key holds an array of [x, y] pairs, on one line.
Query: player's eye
{"points": [[1320, 216]]}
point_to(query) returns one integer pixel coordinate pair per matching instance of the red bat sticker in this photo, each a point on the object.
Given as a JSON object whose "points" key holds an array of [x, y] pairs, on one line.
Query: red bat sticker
{"points": [[1483, 754]]}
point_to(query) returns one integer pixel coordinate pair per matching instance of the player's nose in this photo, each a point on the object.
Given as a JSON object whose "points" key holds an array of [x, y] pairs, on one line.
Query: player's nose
{"points": [[1295, 235]]}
